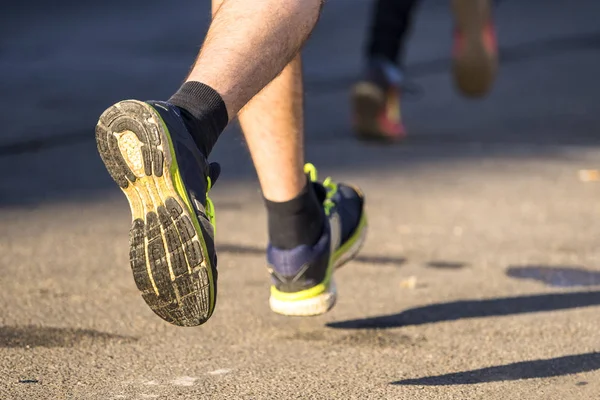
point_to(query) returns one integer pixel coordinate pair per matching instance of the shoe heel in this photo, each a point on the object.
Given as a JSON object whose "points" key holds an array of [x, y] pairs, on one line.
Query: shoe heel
{"points": [[316, 305]]}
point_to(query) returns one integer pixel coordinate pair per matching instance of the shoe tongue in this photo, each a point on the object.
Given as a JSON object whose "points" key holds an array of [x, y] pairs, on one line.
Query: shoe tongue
{"points": [[320, 191], [214, 171]]}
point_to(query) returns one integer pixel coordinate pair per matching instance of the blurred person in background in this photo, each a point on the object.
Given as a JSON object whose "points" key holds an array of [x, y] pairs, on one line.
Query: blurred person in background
{"points": [[376, 97]]}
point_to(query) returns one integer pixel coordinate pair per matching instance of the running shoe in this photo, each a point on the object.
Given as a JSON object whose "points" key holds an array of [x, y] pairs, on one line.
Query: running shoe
{"points": [[302, 278], [150, 154], [475, 52]]}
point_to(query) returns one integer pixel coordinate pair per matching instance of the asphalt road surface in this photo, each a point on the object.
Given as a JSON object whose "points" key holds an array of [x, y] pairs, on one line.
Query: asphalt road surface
{"points": [[480, 278]]}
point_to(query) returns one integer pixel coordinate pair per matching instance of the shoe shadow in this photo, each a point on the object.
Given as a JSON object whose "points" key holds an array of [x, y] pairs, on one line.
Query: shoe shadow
{"points": [[546, 368], [448, 265], [40, 336], [464, 309]]}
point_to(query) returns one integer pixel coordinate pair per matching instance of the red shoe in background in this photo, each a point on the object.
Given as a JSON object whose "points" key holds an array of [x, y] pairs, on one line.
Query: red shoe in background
{"points": [[475, 53]]}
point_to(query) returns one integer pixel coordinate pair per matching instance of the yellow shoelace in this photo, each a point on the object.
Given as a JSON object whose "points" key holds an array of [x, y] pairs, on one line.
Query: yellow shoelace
{"points": [[210, 206], [330, 186]]}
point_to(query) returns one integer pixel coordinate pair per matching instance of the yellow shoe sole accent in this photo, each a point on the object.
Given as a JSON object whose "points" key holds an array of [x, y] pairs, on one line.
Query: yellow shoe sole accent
{"points": [[167, 250]]}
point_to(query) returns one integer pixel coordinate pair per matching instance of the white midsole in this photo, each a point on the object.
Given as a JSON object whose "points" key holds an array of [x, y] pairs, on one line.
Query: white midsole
{"points": [[323, 302]]}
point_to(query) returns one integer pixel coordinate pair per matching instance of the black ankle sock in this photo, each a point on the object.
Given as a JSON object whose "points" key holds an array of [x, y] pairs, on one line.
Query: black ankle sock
{"points": [[204, 113], [297, 221]]}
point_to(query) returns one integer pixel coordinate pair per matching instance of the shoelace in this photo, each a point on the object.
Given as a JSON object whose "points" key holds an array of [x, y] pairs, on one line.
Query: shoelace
{"points": [[329, 185], [210, 206]]}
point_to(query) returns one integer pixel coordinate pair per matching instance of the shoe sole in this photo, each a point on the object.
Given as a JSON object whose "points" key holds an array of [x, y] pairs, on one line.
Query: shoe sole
{"points": [[167, 251], [475, 69], [323, 302]]}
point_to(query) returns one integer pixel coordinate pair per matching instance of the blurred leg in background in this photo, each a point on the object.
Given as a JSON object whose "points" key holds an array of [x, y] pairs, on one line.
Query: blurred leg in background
{"points": [[376, 98]]}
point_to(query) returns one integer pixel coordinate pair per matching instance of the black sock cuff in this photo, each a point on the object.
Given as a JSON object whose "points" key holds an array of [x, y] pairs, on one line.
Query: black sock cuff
{"points": [[207, 108], [293, 206], [297, 221], [200, 99]]}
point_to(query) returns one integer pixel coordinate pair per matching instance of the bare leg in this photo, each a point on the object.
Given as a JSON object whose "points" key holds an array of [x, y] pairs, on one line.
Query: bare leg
{"points": [[248, 45], [273, 126], [272, 123]]}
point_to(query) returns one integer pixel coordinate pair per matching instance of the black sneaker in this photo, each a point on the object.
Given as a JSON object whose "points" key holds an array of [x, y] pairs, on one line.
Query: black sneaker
{"points": [[302, 278], [149, 152]]}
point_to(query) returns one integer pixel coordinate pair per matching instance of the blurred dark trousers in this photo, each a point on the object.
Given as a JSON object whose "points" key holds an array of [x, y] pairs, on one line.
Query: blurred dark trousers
{"points": [[391, 20]]}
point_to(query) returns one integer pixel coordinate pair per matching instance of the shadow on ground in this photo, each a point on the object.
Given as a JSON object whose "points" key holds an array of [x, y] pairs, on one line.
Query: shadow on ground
{"points": [[451, 265], [42, 336], [465, 309], [556, 276], [546, 368]]}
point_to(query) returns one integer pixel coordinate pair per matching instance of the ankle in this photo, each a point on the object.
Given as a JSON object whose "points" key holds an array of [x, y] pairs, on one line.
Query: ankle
{"points": [[296, 222], [203, 112]]}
